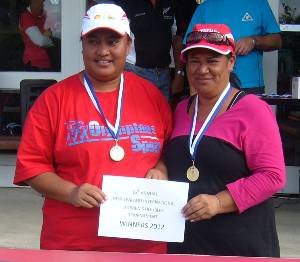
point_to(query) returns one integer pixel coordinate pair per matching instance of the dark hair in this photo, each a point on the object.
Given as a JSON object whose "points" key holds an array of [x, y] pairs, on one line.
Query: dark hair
{"points": [[234, 80]]}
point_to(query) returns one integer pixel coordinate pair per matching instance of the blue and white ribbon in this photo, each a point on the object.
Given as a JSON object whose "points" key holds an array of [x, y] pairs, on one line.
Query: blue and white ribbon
{"points": [[194, 143], [113, 129]]}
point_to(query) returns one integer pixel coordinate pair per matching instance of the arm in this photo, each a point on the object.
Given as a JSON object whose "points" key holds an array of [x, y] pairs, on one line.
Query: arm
{"points": [[52, 186], [36, 162], [178, 81], [262, 147], [268, 42], [205, 206], [38, 38]]}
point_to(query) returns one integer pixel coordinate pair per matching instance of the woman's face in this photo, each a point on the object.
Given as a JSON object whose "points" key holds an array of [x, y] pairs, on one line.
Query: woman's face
{"points": [[208, 71], [104, 54]]}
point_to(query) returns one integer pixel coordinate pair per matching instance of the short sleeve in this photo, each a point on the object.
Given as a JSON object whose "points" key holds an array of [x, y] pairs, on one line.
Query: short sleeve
{"points": [[270, 25], [35, 154]]}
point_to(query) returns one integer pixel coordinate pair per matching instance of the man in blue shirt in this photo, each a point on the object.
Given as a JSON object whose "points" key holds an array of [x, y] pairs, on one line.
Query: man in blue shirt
{"points": [[255, 30]]}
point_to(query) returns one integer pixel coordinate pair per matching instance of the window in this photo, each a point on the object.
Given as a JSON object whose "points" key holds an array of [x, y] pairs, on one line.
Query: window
{"points": [[28, 41]]}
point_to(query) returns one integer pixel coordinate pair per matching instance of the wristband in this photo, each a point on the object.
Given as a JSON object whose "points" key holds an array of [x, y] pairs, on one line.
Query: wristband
{"points": [[254, 42]]}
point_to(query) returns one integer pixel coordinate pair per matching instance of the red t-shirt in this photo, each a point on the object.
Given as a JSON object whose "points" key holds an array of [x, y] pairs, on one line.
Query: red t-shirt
{"points": [[38, 56], [65, 134]]}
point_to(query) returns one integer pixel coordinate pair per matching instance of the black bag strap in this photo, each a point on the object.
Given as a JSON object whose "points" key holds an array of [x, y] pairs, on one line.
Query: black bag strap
{"points": [[234, 100]]}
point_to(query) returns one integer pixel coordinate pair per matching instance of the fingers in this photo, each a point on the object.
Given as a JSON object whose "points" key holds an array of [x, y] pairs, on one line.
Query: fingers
{"points": [[87, 195], [155, 173], [201, 207], [244, 46]]}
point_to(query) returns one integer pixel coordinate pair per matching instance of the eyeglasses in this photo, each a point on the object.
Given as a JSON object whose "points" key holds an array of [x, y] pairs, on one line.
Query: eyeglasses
{"points": [[211, 37]]}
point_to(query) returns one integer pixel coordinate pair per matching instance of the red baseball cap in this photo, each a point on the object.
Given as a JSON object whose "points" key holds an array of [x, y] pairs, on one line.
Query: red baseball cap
{"points": [[222, 42]]}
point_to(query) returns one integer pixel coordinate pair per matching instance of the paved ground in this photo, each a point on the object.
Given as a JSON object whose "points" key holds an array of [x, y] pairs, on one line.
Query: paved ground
{"points": [[20, 217]]}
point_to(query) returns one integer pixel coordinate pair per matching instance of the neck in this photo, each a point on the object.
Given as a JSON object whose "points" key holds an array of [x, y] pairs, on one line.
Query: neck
{"points": [[209, 100], [205, 104], [104, 86]]}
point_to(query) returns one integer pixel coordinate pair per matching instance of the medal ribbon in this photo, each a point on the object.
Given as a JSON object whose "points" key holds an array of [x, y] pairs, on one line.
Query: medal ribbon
{"points": [[113, 130], [193, 143]]}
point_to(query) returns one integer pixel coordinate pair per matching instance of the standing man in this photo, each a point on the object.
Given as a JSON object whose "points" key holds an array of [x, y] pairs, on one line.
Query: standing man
{"points": [[255, 31], [153, 26], [184, 10]]}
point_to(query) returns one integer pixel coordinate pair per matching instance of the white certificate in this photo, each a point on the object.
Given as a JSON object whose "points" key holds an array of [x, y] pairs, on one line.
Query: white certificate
{"points": [[140, 208]]}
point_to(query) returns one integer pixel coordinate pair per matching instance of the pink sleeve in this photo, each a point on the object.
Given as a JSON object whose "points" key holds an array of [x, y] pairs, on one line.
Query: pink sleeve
{"points": [[262, 145]]}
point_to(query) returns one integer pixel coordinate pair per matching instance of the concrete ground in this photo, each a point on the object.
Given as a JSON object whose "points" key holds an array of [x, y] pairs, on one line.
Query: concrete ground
{"points": [[21, 217]]}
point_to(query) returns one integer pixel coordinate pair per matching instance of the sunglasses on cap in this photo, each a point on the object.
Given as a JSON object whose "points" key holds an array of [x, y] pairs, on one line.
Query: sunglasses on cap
{"points": [[211, 37]]}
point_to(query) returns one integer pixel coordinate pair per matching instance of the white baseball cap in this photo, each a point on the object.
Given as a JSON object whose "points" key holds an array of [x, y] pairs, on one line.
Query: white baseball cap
{"points": [[105, 16]]}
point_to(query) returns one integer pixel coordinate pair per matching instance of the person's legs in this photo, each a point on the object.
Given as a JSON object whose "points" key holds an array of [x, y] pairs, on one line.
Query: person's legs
{"points": [[159, 77], [164, 81]]}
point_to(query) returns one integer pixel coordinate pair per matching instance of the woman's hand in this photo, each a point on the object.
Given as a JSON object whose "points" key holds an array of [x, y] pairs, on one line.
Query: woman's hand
{"points": [[87, 195], [48, 33], [158, 172], [155, 173], [202, 207]]}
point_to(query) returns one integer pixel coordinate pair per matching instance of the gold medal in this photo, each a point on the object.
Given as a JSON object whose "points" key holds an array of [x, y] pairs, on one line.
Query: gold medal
{"points": [[117, 153], [192, 173]]}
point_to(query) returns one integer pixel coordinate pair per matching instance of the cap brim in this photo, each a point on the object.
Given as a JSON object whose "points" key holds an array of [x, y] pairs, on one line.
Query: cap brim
{"points": [[221, 49], [91, 26]]}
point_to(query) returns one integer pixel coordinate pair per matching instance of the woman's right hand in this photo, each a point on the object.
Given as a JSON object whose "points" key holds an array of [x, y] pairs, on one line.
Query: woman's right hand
{"points": [[87, 195]]}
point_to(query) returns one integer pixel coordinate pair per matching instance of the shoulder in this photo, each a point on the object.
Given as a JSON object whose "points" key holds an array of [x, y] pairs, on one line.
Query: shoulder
{"points": [[71, 81], [253, 106], [26, 17], [25, 13], [65, 87], [182, 106]]}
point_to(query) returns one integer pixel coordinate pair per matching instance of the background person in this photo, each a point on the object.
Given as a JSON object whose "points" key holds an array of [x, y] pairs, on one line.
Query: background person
{"points": [[99, 121], [227, 146], [153, 28], [35, 38], [184, 10], [255, 30]]}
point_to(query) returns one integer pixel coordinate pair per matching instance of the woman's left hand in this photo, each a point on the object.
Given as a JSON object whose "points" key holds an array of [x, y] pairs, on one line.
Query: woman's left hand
{"points": [[155, 173], [201, 207]]}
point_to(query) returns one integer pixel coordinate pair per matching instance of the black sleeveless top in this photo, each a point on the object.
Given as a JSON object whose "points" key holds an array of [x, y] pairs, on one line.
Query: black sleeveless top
{"points": [[251, 233]]}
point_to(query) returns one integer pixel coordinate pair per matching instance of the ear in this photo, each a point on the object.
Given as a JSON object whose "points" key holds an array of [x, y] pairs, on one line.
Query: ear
{"points": [[231, 62], [129, 43]]}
